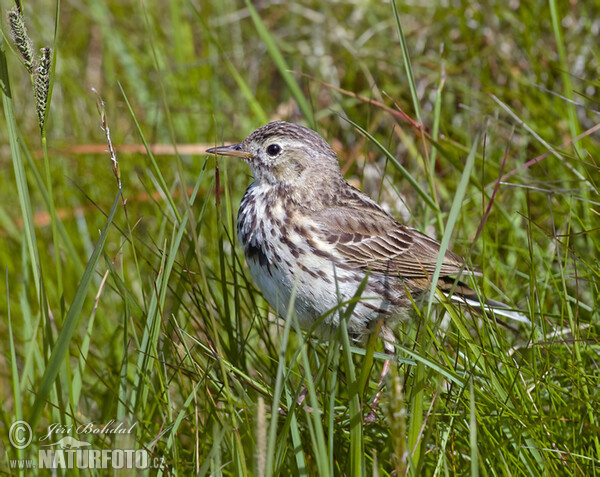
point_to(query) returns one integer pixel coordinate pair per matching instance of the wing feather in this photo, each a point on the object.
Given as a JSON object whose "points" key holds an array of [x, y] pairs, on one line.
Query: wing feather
{"points": [[366, 236]]}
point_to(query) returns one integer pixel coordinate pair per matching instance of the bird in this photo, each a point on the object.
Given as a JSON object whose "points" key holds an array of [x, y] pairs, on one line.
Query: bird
{"points": [[312, 239]]}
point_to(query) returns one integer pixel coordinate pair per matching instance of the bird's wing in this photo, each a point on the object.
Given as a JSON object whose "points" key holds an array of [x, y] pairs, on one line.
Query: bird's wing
{"points": [[364, 236], [368, 238]]}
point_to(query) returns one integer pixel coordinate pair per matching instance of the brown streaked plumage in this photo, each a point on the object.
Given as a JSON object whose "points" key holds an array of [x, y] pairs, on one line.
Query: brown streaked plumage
{"points": [[304, 228]]}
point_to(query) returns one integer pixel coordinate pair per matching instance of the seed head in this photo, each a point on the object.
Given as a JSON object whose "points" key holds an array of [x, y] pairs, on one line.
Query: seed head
{"points": [[21, 38], [42, 84]]}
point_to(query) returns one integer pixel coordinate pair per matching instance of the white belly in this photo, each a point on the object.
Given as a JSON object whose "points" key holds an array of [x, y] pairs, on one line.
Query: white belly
{"points": [[314, 298]]}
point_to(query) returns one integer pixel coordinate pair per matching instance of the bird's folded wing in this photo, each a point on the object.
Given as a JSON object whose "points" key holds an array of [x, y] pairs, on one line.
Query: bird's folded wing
{"points": [[371, 239]]}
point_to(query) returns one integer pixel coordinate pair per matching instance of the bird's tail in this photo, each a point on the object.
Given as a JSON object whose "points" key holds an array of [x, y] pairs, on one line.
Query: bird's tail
{"points": [[491, 306], [462, 293]]}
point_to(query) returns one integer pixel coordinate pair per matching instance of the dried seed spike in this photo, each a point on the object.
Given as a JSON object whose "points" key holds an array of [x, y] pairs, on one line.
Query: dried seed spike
{"points": [[42, 84], [106, 129], [20, 37]]}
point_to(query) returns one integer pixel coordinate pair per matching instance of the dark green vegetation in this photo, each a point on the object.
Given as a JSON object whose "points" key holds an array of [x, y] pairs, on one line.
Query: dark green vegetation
{"points": [[148, 316]]}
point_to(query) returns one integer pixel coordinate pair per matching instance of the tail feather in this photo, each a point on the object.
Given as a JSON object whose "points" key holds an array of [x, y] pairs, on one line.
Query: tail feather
{"points": [[492, 306], [462, 293]]}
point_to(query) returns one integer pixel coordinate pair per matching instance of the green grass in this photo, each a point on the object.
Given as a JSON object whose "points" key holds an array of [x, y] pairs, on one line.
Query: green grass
{"points": [[475, 122]]}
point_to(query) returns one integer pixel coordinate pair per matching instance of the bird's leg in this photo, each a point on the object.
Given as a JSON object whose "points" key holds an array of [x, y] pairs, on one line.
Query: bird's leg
{"points": [[304, 392], [300, 399], [390, 350], [302, 396]]}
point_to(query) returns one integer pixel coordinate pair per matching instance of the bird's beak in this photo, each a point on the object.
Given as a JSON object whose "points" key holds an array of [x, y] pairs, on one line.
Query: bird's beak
{"points": [[235, 151]]}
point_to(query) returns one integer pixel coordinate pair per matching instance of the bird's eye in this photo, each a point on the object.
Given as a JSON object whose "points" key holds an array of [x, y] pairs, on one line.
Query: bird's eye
{"points": [[273, 149]]}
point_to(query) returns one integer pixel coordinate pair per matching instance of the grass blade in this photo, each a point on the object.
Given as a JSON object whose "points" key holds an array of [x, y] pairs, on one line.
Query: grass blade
{"points": [[281, 64], [70, 323], [22, 188], [473, 431], [417, 187], [452, 217], [407, 65], [565, 75]]}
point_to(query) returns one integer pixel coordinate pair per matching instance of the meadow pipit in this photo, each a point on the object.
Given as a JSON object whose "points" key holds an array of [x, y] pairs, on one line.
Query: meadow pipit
{"points": [[304, 228]]}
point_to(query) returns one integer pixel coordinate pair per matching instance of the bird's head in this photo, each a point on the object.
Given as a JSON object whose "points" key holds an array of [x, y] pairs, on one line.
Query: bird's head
{"points": [[285, 154]]}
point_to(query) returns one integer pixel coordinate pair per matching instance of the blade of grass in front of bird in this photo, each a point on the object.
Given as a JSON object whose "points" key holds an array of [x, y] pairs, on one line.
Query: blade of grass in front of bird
{"points": [[367, 365], [357, 454], [397, 418], [334, 365], [450, 375], [279, 384], [228, 231], [381, 356], [473, 431], [357, 462], [415, 422], [315, 414]]}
